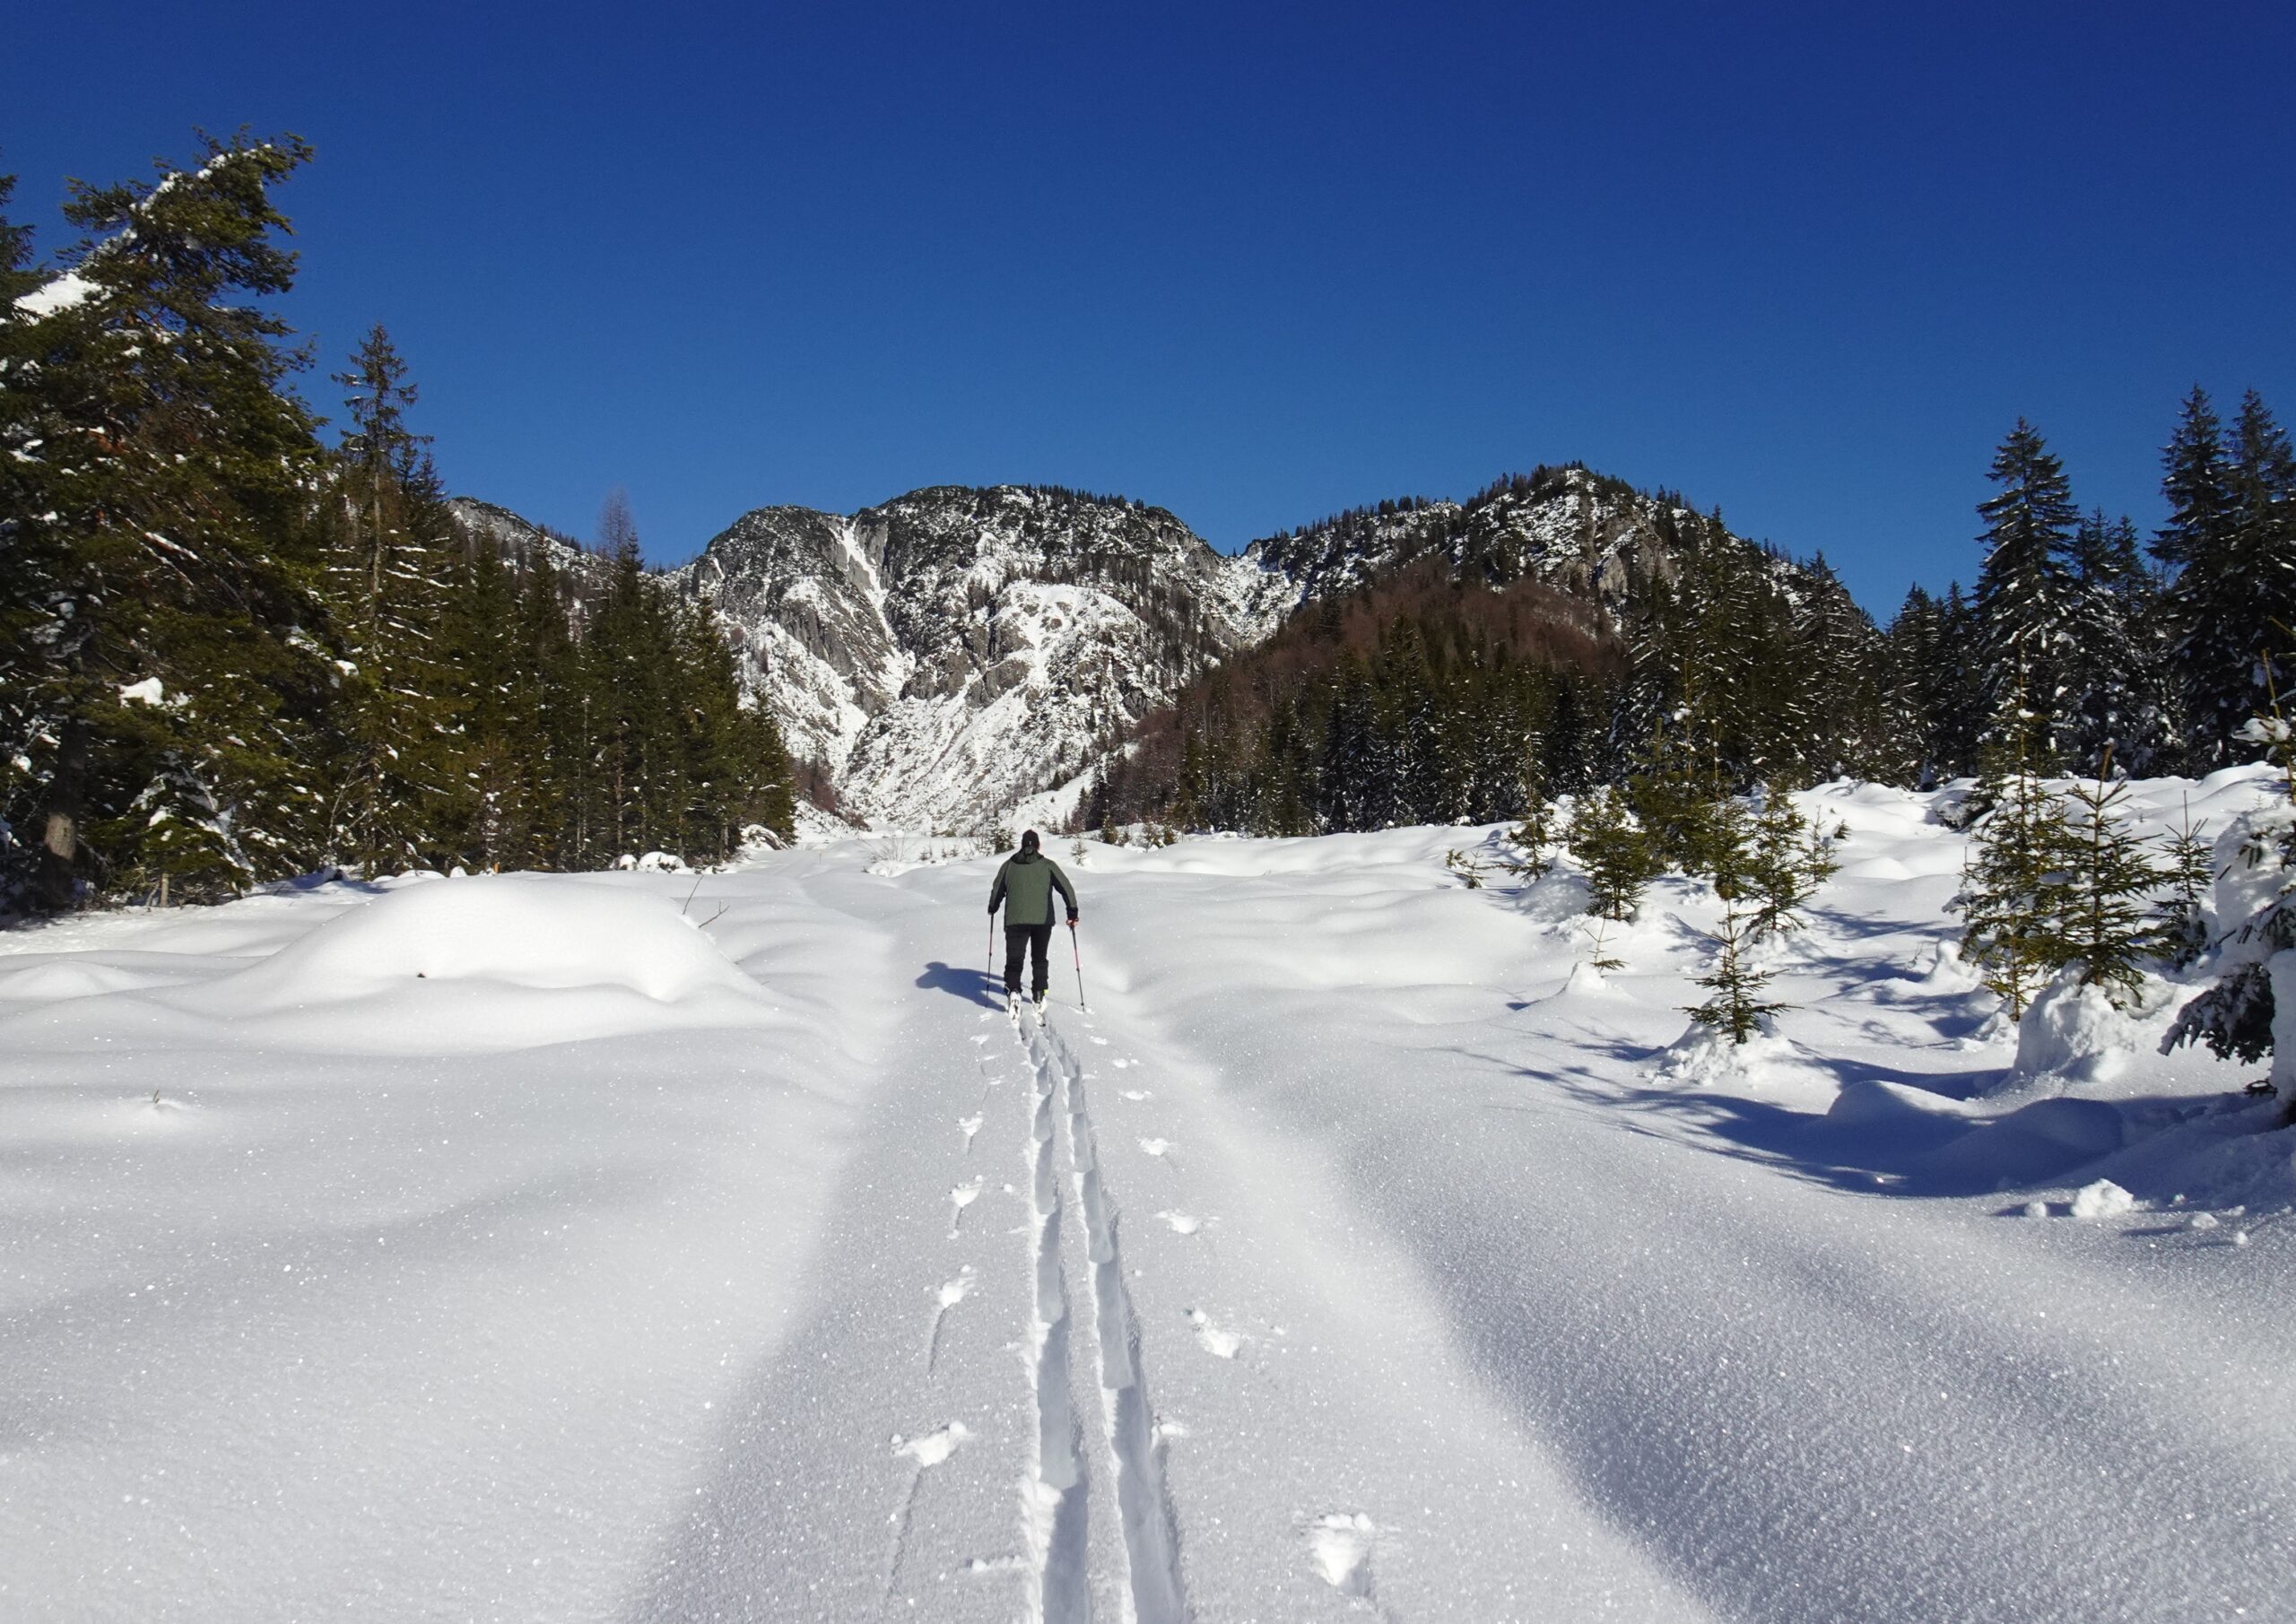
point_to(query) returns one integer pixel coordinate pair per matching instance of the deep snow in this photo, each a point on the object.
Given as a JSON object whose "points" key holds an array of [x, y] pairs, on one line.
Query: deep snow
{"points": [[626, 1247]]}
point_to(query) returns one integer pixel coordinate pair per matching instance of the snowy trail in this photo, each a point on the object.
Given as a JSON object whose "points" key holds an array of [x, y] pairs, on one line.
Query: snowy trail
{"points": [[1352, 1257]]}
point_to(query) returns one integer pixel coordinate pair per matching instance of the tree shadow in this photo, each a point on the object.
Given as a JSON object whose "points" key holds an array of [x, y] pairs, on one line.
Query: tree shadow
{"points": [[974, 986]]}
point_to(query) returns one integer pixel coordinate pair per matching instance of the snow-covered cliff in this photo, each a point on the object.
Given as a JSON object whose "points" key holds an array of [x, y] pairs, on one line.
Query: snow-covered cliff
{"points": [[953, 650]]}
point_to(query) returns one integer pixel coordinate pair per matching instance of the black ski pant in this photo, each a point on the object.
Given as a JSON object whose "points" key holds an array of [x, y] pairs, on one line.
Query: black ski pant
{"points": [[1019, 942]]}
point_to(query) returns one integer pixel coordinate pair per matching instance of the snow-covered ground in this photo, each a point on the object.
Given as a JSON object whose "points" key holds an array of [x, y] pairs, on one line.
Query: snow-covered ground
{"points": [[653, 1247]]}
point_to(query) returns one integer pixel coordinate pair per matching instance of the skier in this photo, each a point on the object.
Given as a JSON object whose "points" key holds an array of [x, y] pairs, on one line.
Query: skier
{"points": [[1025, 886]]}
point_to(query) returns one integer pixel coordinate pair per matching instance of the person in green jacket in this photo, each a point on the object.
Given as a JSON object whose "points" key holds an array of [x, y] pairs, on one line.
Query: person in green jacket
{"points": [[1024, 888]]}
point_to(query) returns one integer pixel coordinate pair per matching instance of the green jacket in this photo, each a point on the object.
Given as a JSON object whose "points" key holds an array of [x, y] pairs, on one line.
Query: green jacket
{"points": [[1025, 884]]}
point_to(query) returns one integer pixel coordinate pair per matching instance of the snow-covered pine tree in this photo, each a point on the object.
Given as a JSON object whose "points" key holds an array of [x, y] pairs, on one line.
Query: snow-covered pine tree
{"points": [[2197, 548], [1935, 700], [2241, 1017], [497, 692], [2115, 685], [403, 788], [1677, 796], [2024, 596], [2253, 610], [159, 559], [18, 612], [2231, 539], [2103, 900], [1841, 658]]}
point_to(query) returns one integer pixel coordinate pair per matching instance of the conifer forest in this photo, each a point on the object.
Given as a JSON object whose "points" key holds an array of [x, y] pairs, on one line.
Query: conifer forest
{"points": [[240, 642]]}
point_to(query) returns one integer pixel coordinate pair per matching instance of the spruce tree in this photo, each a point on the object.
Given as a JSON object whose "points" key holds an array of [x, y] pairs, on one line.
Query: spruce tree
{"points": [[1787, 861], [2257, 610], [2234, 1016], [1614, 853], [1736, 1006], [402, 787], [2014, 891], [2115, 689], [2195, 548], [161, 656], [2109, 876], [2180, 927], [2024, 594]]}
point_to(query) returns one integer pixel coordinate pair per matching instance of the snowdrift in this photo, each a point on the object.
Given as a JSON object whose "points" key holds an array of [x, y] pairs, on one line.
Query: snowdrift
{"points": [[500, 962]]}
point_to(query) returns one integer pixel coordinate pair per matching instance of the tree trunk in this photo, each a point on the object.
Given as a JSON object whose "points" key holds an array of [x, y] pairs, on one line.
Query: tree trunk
{"points": [[60, 847]]}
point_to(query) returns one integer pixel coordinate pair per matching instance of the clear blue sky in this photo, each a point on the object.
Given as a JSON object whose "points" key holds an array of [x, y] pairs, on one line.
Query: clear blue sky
{"points": [[1252, 263]]}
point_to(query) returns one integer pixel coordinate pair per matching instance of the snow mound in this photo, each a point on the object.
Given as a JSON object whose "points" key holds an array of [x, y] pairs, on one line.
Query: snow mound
{"points": [[1704, 1056], [2102, 1199], [2074, 1031], [499, 962]]}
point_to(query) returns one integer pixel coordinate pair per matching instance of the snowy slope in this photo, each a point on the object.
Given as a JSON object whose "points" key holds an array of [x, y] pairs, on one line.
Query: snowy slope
{"points": [[524, 1248]]}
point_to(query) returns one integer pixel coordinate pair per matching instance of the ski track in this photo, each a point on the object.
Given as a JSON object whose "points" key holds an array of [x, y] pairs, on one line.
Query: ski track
{"points": [[1144, 1510], [1053, 1512]]}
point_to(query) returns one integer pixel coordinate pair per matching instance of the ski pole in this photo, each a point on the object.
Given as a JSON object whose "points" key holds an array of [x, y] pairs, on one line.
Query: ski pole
{"points": [[1079, 953]]}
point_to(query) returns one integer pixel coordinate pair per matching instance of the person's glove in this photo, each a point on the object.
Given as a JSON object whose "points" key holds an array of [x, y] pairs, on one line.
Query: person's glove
{"points": [[992, 910], [1072, 918]]}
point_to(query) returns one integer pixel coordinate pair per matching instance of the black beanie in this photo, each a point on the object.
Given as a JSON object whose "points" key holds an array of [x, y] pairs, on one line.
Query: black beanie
{"points": [[1028, 840]]}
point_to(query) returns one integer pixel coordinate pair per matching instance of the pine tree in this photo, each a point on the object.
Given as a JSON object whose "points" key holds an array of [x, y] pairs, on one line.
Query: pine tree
{"points": [[2116, 698], [1677, 796], [2258, 609], [2180, 929], [402, 786], [2013, 895], [1736, 1006], [1788, 861], [2109, 876], [2025, 593], [2195, 547], [1614, 853], [159, 556]]}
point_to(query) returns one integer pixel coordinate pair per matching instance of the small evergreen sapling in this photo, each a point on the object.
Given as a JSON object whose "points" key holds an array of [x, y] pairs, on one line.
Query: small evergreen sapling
{"points": [[1618, 857], [1531, 835], [2014, 890], [2109, 877], [2179, 931], [1736, 1006]]}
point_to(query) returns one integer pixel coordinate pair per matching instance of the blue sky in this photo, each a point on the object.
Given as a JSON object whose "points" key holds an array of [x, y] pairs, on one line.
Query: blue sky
{"points": [[1254, 264]]}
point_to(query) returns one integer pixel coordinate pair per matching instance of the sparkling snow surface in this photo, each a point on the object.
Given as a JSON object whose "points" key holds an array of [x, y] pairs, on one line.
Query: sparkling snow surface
{"points": [[530, 1248]]}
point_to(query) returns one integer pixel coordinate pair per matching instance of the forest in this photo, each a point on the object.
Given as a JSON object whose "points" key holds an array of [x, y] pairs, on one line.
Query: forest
{"points": [[237, 646]]}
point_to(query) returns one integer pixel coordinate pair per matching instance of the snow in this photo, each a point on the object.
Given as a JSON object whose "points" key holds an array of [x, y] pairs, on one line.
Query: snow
{"points": [[2102, 1199], [648, 1247], [67, 291]]}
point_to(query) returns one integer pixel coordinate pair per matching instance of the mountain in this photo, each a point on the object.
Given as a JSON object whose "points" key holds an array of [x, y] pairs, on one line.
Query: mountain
{"points": [[946, 654], [1565, 528], [520, 541]]}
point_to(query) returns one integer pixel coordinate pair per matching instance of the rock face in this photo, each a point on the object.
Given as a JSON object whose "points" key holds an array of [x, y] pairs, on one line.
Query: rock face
{"points": [[954, 650], [951, 652]]}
